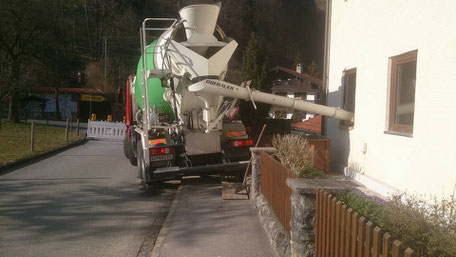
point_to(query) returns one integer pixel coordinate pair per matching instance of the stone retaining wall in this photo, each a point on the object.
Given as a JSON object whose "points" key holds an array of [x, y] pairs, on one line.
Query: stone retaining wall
{"points": [[300, 242], [278, 237]]}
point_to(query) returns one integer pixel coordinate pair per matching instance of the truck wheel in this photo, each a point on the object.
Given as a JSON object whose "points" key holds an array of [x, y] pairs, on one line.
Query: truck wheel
{"points": [[125, 147], [131, 147], [140, 162], [148, 186]]}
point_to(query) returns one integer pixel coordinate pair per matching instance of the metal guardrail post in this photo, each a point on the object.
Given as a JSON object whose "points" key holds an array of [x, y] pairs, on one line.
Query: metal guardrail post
{"points": [[77, 127], [66, 130], [32, 136]]}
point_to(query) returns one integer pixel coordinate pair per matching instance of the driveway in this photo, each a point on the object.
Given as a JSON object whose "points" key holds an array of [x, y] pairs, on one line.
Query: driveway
{"points": [[85, 201]]}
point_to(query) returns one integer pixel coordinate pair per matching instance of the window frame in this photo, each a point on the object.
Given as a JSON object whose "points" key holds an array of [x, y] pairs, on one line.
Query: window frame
{"points": [[393, 127], [345, 87]]}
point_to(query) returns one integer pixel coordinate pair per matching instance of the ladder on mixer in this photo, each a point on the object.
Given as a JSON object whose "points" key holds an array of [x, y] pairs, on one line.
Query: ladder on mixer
{"points": [[144, 78]]}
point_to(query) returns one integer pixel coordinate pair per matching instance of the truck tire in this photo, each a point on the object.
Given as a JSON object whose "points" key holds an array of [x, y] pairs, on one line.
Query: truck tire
{"points": [[131, 149], [143, 170], [140, 161], [125, 146]]}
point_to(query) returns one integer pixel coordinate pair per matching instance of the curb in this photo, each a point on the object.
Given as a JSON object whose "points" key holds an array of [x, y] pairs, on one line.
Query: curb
{"points": [[159, 242], [27, 161]]}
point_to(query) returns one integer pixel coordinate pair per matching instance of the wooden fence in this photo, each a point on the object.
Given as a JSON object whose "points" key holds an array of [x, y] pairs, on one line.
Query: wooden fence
{"points": [[322, 148], [275, 189], [340, 232]]}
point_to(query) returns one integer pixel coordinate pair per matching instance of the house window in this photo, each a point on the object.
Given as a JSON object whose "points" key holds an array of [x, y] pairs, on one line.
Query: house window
{"points": [[300, 95], [349, 90], [402, 93]]}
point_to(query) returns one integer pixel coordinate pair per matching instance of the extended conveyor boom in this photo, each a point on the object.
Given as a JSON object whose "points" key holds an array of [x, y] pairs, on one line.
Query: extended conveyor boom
{"points": [[218, 87]]}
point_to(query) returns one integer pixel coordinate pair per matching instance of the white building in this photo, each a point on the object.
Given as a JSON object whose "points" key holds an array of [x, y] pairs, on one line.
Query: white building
{"points": [[394, 63]]}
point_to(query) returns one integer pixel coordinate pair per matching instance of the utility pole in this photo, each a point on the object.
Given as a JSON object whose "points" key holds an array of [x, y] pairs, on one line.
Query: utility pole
{"points": [[66, 130], [105, 60], [77, 127], [32, 136]]}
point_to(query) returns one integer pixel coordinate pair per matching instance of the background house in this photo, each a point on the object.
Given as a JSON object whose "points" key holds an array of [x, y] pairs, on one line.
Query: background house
{"points": [[294, 84], [73, 103], [394, 64]]}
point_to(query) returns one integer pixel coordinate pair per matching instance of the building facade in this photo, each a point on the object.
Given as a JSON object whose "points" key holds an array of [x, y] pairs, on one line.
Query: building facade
{"points": [[294, 84], [394, 64], [73, 103]]}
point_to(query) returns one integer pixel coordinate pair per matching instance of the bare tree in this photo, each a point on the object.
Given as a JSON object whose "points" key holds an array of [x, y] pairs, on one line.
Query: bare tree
{"points": [[20, 35]]}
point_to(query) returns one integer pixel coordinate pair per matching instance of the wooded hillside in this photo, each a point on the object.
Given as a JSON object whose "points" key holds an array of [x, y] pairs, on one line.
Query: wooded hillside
{"points": [[62, 43]]}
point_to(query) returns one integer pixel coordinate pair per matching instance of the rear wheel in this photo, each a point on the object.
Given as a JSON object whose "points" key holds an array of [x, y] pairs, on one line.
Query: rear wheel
{"points": [[126, 146], [131, 148], [140, 160], [143, 170]]}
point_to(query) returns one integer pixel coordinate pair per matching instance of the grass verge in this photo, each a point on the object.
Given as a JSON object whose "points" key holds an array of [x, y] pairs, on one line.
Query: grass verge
{"points": [[15, 140]]}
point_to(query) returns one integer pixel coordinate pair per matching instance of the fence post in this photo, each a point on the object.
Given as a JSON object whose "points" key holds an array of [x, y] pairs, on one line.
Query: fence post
{"points": [[71, 124], [66, 130], [77, 127], [32, 136], [304, 206]]}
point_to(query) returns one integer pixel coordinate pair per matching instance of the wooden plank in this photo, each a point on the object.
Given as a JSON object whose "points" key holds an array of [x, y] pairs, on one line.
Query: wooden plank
{"points": [[348, 222], [361, 230], [409, 252], [317, 221], [368, 236], [376, 242], [396, 248], [325, 214], [337, 236], [386, 242], [333, 226], [322, 227], [328, 225], [354, 236], [343, 215]]}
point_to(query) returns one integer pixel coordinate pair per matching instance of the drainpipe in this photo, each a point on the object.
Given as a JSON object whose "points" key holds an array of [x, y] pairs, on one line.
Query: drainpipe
{"points": [[324, 96]]}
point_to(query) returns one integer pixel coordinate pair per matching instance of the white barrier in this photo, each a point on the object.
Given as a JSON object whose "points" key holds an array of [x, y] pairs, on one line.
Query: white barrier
{"points": [[106, 130]]}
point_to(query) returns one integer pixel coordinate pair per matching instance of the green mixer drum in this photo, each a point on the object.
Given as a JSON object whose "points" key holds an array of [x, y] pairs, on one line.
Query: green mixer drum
{"points": [[155, 86]]}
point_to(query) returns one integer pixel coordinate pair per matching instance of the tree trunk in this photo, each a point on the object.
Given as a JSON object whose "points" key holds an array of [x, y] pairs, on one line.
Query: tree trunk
{"points": [[57, 106], [85, 5], [12, 109]]}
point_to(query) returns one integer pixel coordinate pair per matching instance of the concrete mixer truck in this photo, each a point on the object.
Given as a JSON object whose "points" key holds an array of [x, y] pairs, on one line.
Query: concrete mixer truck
{"points": [[179, 99]]}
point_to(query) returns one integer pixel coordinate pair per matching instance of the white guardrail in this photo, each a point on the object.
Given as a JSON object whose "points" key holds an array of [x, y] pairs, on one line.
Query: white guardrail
{"points": [[106, 130]]}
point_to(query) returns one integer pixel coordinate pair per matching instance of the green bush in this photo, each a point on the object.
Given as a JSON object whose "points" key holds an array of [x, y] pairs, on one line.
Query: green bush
{"points": [[370, 207], [430, 230], [295, 153]]}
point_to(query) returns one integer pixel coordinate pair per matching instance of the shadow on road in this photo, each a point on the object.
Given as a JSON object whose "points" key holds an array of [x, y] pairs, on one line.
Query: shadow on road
{"points": [[75, 208]]}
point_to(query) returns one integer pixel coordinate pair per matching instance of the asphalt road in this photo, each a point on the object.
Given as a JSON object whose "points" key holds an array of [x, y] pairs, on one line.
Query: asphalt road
{"points": [[85, 201]]}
